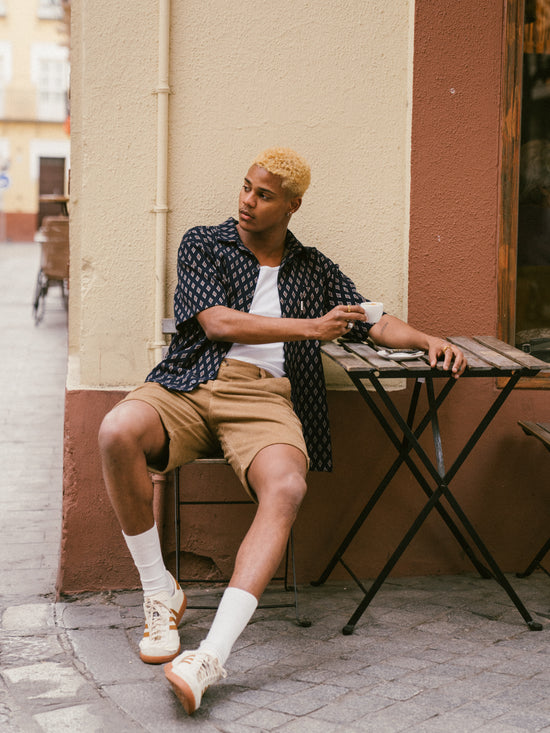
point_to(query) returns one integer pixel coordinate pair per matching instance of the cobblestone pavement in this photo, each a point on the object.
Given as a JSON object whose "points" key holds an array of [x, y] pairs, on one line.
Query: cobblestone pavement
{"points": [[430, 654]]}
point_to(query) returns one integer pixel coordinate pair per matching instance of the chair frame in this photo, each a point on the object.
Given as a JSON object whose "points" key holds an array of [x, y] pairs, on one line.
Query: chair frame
{"points": [[542, 432], [289, 555]]}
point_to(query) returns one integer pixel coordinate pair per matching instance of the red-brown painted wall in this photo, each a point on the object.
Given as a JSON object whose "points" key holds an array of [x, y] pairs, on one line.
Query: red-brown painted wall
{"points": [[455, 166], [501, 488], [93, 554], [452, 290], [453, 256], [20, 227]]}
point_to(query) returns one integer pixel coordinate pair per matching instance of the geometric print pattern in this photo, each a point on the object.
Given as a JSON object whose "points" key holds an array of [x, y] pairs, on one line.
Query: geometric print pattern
{"points": [[215, 268]]}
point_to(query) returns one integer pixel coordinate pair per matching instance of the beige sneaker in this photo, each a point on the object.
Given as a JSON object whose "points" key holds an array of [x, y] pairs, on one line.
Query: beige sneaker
{"points": [[191, 674], [163, 612]]}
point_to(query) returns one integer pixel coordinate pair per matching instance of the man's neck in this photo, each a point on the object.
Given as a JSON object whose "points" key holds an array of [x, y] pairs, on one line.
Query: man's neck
{"points": [[268, 247]]}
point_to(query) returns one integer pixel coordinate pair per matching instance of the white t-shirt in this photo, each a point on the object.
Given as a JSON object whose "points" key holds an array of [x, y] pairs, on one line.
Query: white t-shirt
{"points": [[265, 303]]}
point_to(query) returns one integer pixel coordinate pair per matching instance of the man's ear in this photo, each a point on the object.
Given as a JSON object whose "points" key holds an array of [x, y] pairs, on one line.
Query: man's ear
{"points": [[295, 204]]}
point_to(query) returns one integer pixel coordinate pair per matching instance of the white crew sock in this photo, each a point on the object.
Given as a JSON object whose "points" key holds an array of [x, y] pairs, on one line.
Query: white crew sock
{"points": [[234, 612], [147, 555]]}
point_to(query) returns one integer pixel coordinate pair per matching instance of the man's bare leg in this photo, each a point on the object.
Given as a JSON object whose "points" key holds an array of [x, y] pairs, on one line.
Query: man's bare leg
{"points": [[278, 476], [131, 436]]}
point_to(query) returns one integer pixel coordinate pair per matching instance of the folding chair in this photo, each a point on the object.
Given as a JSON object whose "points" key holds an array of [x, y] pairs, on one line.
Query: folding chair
{"points": [[54, 262], [542, 432]]}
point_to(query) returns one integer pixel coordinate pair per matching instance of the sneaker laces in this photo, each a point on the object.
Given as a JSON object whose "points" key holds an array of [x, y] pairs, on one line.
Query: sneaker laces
{"points": [[157, 618], [206, 667]]}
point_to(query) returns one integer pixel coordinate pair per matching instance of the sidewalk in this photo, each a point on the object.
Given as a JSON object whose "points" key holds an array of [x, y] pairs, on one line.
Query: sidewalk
{"points": [[438, 654]]}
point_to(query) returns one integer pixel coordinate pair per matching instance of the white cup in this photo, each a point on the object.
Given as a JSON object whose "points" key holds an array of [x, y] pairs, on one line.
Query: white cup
{"points": [[373, 310]]}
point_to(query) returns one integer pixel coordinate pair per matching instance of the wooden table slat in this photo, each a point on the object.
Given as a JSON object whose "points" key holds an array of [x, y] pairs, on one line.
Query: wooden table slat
{"points": [[417, 365], [527, 360], [475, 363], [348, 361], [485, 353], [366, 352]]}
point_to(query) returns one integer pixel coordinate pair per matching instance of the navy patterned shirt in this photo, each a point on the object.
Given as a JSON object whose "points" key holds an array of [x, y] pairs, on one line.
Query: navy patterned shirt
{"points": [[215, 268]]}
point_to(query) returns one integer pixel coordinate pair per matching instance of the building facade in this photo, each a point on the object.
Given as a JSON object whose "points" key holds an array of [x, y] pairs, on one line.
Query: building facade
{"points": [[410, 115], [34, 134]]}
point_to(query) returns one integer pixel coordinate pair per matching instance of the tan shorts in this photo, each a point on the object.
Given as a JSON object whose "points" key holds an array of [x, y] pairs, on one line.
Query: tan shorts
{"points": [[240, 412]]}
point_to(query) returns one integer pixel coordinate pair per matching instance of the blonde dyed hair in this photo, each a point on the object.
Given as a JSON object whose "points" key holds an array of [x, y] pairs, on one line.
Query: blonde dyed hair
{"points": [[289, 166]]}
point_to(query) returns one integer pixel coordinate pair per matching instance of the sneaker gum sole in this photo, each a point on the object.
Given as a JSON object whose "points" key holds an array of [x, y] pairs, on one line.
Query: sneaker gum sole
{"points": [[159, 660], [168, 657], [181, 689]]}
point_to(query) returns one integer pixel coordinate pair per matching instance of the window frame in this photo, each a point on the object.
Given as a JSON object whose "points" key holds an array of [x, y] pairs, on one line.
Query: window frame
{"points": [[6, 73], [49, 10], [43, 53], [512, 75]]}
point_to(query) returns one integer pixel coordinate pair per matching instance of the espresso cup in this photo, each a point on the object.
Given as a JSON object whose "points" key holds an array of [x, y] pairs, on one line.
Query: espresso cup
{"points": [[373, 310]]}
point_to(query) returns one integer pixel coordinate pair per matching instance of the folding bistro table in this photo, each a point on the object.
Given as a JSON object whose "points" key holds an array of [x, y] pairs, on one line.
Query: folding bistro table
{"points": [[487, 357]]}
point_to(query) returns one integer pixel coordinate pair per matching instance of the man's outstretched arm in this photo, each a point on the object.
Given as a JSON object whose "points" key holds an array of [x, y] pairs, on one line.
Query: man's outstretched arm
{"points": [[226, 324], [396, 334]]}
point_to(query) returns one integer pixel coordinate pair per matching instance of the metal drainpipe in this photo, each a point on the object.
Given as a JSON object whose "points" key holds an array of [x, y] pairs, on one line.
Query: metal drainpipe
{"points": [[161, 216], [161, 206]]}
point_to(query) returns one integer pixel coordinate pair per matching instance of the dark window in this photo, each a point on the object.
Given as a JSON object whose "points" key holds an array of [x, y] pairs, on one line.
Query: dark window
{"points": [[524, 256]]}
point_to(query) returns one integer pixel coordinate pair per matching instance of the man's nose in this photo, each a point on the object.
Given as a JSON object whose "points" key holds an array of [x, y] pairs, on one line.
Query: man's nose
{"points": [[249, 198]]}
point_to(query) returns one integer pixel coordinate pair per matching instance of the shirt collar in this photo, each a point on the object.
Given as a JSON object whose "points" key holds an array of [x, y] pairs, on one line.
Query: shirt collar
{"points": [[227, 232]]}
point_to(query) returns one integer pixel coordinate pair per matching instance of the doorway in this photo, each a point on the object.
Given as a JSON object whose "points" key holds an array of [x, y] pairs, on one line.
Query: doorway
{"points": [[51, 182]]}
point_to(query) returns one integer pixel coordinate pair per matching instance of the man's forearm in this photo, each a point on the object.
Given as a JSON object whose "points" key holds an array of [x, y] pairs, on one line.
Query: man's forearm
{"points": [[394, 333], [226, 324]]}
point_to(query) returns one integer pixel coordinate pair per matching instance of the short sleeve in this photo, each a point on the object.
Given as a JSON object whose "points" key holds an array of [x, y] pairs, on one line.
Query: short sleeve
{"points": [[200, 281], [343, 291]]}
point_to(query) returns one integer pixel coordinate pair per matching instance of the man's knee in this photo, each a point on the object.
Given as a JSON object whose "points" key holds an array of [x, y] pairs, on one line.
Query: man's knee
{"points": [[296, 487], [126, 426], [114, 435], [287, 490], [131, 428]]}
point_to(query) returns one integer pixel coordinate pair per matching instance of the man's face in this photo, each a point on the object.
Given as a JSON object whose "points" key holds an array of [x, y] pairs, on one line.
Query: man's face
{"points": [[263, 203]]}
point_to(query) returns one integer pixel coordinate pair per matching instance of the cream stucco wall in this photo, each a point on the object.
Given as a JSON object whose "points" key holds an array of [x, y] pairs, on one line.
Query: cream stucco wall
{"points": [[333, 81]]}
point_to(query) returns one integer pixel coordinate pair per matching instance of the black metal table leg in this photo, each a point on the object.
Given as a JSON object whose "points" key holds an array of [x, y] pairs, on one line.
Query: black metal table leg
{"points": [[499, 575], [412, 438], [442, 478], [459, 512], [369, 506], [404, 447], [536, 560], [388, 567]]}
